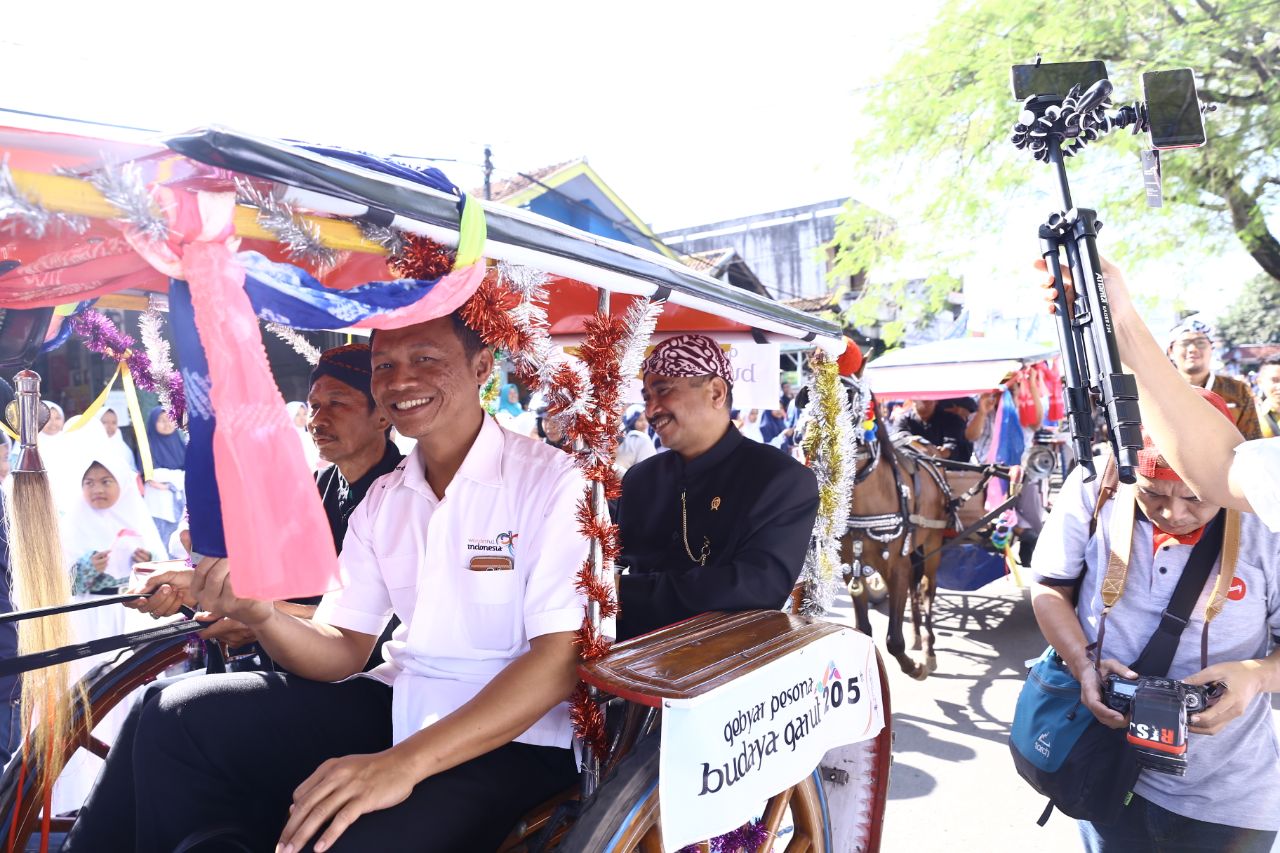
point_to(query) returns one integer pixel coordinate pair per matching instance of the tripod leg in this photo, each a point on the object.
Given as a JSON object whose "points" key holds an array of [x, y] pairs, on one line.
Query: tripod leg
{"points": [[1075, 393], [1119, 390]]}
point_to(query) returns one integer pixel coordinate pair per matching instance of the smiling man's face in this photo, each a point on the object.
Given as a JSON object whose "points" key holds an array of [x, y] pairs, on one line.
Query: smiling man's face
{"points": [[423, 378]]}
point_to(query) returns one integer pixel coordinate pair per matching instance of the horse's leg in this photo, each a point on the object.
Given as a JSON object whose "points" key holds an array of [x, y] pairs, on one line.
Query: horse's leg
{"points": [[899, 581], [928, 592], [860, 617], [857, 586], [917, 572]]}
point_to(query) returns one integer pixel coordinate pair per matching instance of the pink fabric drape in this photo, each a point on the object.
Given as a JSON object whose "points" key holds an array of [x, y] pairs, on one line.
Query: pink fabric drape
{"points": [[278, 538]]}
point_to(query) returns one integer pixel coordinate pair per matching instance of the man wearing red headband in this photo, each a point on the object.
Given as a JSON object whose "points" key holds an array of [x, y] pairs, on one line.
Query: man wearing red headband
{"points": [[717, 523], [1230, 795]]}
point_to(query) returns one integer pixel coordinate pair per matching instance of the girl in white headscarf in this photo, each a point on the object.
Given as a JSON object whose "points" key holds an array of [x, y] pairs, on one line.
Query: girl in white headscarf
{"points": [[298, 414], [109, 528], [111, 425]]}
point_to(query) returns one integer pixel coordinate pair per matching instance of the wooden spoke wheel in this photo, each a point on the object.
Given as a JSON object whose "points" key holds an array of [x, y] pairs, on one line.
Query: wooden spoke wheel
{"points": [[21, 795], [623, 817]]}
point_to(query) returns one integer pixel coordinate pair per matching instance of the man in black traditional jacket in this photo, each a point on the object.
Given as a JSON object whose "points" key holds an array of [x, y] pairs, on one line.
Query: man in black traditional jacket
{"points": [[718, 522]]}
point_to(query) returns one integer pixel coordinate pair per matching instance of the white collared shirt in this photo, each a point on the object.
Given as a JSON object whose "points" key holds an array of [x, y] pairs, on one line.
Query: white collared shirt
{"points": [[472, 576]]}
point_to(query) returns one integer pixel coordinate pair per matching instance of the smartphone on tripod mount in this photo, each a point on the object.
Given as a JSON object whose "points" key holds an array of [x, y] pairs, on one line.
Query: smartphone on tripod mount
{"points": [[1173, 109]]}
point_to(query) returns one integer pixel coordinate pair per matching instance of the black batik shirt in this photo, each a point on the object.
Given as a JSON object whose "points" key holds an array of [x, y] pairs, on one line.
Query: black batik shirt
{"points": [[341, 498], [752, 503]]}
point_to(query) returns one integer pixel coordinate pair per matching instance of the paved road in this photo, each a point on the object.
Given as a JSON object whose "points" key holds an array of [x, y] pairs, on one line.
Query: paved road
{"points": [[953, 784]]}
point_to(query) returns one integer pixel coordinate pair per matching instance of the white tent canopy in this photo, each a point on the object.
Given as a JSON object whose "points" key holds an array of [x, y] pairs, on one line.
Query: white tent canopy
{"points": [[951, 368]]}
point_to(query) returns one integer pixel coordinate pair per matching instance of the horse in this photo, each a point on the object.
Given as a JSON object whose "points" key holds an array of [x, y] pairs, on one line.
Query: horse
{"points": [[900, 509]]}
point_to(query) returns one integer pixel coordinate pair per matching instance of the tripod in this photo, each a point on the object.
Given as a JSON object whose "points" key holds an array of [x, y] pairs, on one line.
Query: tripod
{"points": [[1086, 335]]}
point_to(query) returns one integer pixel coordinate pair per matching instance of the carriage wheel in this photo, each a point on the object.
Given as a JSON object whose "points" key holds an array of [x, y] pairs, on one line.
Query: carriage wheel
{"points": [[21, 797], [623, 815]]}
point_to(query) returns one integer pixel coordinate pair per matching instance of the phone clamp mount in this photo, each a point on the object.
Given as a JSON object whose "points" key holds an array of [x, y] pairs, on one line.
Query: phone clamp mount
{"points": [[1051, 128], [1074, 121]]}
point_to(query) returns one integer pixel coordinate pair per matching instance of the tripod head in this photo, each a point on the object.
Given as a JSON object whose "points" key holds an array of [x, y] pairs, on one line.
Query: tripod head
{"points": [[1072, 122]]}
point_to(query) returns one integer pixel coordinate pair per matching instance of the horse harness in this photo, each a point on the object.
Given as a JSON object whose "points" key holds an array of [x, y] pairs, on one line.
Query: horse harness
{"points": [[885, 528]]}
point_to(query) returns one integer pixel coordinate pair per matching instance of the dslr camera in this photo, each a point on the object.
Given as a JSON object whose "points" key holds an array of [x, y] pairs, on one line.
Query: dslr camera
{"points": [[1157, 709]]}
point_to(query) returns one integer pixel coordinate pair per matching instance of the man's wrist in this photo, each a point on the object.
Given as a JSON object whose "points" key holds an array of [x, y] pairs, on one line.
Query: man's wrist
{"points": [[268, 614]]}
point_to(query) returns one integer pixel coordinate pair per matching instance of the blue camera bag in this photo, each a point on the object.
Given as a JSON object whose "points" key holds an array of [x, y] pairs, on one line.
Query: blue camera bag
{"points": [[1062, 751]]}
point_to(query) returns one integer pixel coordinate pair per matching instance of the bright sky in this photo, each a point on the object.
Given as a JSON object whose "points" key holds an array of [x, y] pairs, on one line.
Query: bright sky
{"points": [[692, 111]]}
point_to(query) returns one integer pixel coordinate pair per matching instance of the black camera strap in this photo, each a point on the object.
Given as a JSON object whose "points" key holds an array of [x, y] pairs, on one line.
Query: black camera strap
{"points": [[1157, 657]]}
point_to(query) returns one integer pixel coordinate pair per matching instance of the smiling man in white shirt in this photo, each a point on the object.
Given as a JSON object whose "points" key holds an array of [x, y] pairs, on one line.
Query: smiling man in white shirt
{"points": [[473, 543]]}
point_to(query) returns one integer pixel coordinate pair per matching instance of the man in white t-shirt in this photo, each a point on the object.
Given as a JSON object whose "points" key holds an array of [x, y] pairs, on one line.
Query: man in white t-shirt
{"points": [[473, 543]]}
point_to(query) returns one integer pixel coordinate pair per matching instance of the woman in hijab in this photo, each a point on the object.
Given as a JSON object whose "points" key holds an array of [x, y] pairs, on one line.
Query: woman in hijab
{"points": [[165, 493], [509, 400], [511, 414], [111, 426], [298, 414], [109, 528], [636, 445]]}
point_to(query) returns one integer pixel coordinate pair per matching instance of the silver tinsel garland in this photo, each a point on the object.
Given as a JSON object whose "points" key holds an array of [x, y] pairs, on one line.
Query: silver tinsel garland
{"points": [[384, 235], [125, 189], [833, 461], [300, 238], [161, 359], [294, 339], [641, 322], [17, 209], [540, 357]]}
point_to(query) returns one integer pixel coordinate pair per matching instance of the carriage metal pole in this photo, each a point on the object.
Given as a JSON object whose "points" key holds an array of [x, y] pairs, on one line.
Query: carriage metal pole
{"points": [[591, 761]]}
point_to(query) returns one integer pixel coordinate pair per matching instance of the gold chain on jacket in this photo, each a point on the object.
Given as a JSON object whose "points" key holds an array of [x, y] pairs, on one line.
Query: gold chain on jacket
{"points": [[684, 529]]}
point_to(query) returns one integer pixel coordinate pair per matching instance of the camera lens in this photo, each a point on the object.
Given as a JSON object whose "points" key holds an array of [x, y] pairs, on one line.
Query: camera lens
{"points": [[1192, 701]]}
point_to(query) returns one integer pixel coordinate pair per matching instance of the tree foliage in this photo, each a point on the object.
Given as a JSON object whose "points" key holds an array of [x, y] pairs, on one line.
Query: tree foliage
{"points": [[1254, 318], [939, 125]]}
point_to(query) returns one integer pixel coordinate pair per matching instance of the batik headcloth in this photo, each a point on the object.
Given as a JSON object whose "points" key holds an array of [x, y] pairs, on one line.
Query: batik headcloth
{"points": [[1151, 464], [349, 364], [1191, 326], [689, 355]]}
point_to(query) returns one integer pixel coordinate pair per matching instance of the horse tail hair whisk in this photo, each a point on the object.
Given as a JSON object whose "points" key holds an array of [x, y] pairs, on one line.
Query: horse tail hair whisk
{"points": [[39, 578]]}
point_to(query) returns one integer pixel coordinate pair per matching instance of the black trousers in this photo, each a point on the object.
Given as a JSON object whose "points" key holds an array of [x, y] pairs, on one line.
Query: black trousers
{"points": [[228, 751]]}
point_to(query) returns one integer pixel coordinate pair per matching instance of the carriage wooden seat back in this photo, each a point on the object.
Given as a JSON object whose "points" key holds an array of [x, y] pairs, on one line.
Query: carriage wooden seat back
{"points": [[697, 655]]}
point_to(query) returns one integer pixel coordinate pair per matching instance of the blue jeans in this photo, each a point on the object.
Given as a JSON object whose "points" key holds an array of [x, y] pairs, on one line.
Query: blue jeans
{"points": [[1144, 827]]}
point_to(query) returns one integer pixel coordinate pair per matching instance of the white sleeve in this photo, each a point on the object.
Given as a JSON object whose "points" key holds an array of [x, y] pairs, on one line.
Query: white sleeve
{"points": [[1256, 468], [363, 603], [1064, 541], [552, 602]]}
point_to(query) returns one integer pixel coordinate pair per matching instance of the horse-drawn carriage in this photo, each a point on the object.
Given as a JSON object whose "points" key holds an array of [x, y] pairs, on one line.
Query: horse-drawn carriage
{"points": [[241, 229], [913, 507]]}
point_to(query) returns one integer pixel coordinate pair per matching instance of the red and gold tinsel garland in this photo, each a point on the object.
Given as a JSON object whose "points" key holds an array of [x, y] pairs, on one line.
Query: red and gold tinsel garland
{"points": [[508, 312]]}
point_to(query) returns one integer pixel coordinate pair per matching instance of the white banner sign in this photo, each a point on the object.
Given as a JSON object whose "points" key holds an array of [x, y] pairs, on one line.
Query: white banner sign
{"points": [[757, 382], [726, 752]]}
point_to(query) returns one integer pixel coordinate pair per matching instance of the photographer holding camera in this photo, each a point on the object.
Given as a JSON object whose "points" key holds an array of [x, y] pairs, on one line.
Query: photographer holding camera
{"points": [[1229, 797]]}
